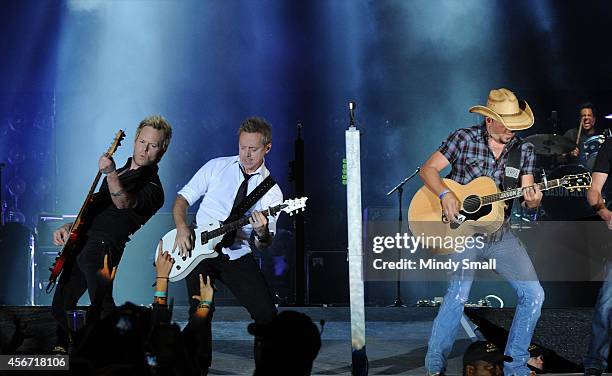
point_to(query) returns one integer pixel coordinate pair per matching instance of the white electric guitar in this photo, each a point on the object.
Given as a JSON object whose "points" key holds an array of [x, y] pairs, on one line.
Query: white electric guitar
{"points": [[210, 234]]}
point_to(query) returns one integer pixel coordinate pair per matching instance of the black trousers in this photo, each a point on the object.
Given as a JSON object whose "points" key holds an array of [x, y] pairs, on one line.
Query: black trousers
{"points": [[80, 275], [246, 281]]}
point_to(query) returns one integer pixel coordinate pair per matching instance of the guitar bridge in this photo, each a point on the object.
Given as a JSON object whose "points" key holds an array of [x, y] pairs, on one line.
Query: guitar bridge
{"points": [[460, 219]]}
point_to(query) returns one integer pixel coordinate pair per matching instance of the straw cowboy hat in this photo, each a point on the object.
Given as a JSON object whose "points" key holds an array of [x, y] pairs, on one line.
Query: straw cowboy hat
{"points": [[503, 106]]}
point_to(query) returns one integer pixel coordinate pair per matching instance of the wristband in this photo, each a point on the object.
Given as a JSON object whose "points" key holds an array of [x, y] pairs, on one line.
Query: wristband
{"points": [[205, 304], [161, 294], [597, 207], [443, 193]]}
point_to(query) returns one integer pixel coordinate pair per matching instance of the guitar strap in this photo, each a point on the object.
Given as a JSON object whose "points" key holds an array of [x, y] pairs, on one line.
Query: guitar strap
{"points": [[248, 202], [252, 198], [512, 172], [513, 166]]}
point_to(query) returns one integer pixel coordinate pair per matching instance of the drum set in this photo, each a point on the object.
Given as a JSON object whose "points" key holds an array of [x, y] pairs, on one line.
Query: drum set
{"points": [[552, 159]]}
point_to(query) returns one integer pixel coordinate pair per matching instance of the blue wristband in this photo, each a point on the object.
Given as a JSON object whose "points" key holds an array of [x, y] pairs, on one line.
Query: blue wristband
{"points": [[443, 193], [161, 294]]}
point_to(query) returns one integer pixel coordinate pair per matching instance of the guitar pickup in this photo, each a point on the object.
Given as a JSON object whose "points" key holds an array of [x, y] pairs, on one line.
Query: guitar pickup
{"points": [[204, 237]]}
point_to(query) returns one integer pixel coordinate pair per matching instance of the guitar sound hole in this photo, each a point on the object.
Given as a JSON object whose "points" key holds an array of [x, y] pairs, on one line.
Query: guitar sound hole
{"points": [[471, 204]]}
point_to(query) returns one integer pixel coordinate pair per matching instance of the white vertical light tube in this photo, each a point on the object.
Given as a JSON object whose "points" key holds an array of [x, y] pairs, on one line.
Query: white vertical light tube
{"points": [[355, 246], [31, 280]]}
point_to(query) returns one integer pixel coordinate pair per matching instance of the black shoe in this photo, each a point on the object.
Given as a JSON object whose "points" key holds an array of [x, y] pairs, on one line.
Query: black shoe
{"points": [[592, 372]]}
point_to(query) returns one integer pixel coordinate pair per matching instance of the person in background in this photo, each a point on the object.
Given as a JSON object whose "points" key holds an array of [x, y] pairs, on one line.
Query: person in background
{"points": [[587, 118], [483, 358]]}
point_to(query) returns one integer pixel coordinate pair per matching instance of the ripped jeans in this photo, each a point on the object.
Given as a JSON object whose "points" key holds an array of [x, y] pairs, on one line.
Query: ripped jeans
{"points": [[514, 264], [601, 333]]}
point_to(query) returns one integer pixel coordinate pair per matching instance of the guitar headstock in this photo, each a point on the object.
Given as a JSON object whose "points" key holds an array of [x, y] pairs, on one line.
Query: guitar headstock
{"points": [[577, 181], [292, 206], [116, 143]]}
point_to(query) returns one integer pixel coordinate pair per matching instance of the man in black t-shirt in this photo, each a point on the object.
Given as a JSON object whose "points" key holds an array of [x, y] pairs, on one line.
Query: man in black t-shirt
{"points": [[595, 361], [588, 118], [127, 198]]}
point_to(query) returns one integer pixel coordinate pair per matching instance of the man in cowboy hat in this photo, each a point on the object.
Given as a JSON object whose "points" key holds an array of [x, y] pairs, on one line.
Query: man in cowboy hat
{"points": [[489, 149]]}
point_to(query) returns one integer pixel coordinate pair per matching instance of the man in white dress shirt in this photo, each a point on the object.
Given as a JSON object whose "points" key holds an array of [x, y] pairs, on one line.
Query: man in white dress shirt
{"points": [[219, 184]]}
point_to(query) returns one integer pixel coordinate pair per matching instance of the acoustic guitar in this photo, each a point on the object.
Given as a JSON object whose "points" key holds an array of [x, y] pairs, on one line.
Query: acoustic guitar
{"points": [[481, 212]]}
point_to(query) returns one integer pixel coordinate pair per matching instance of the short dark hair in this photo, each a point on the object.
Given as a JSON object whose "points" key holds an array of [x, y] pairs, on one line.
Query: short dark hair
{"points": [[588, 105], [257, 125]]}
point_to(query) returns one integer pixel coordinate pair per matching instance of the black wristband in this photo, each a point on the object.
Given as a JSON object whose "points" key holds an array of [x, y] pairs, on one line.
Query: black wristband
{"points": [[597, 207]]}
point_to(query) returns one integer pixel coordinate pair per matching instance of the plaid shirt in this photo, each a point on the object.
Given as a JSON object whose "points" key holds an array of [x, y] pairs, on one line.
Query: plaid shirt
{"points": [[467, 150]]}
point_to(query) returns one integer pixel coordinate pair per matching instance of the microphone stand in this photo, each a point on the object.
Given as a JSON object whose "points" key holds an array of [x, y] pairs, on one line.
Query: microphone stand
{"points": [[400, 191], [554, 121]]}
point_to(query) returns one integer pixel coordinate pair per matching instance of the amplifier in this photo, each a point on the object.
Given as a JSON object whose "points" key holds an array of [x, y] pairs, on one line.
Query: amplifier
{"points": [[43, 260], [45, 252], [328, 281], [47, 224], [15, 277]]}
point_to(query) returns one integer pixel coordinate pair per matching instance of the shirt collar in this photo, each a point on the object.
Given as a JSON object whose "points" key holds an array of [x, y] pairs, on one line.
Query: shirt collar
{"points": [[153, 168], [260, 171]]}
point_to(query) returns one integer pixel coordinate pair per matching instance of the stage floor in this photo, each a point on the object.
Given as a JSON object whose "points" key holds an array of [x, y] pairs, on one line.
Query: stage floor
{"points": [[396, 338]]}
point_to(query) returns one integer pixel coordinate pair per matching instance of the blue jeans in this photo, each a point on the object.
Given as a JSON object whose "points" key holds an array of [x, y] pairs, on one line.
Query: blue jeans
{"points": [[515, 265], [601, 332]]}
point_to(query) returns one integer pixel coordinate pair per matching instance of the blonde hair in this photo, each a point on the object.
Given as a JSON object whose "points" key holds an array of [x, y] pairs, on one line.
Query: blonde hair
{"points": [[161, 124]]}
